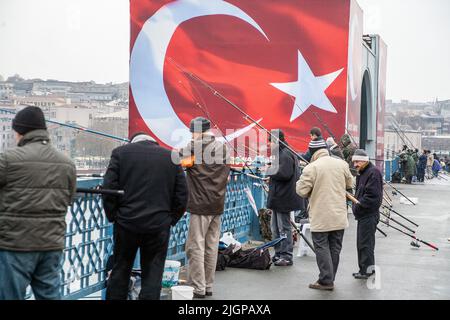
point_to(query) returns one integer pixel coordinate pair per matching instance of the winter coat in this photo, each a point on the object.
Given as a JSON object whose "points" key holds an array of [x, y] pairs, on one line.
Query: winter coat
{"points": [[282, 197], [207, 179], [37, 184], [422, 162], [436, 166], [155, 188], [369, 192], [348, 149], [410, 166], [324, 181]]}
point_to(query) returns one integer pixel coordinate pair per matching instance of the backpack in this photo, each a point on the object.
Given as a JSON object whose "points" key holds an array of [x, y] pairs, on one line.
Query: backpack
{"points": [[396, 177]]}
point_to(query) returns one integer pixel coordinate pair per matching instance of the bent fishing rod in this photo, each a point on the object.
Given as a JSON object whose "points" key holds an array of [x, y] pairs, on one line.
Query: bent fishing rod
{"points": [[77, 127], [411, 236]]}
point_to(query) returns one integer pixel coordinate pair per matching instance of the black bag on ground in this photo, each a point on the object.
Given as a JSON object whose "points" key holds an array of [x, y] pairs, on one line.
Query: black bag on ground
{"points": [[223, 257], [255, 258], [396, 177]]}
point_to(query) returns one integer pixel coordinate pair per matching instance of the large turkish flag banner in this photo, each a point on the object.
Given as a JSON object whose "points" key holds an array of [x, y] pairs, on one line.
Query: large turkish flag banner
{"points": [[279, 61]]}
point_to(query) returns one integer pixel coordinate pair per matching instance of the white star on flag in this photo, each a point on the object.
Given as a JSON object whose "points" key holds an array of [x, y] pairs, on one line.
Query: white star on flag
{"points": [[308, 89]]}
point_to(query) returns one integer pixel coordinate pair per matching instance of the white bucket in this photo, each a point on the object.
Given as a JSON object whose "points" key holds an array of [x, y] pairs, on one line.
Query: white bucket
{"points": [[182, 293], [171, 273]]}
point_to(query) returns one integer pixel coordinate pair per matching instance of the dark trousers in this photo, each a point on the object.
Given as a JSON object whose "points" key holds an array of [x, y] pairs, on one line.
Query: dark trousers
{"points": [[153, 251], [365, 242], [328, 247], [421, 174], [39, 269], [281, 226]]}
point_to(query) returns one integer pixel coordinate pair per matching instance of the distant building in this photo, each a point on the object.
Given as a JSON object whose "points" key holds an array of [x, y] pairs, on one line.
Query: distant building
{"points": [[7, 137], [438, 144], [6, 90]]}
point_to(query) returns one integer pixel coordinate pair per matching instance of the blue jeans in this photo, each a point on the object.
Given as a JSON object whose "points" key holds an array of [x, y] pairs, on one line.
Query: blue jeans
{"points": [[40, 269]]}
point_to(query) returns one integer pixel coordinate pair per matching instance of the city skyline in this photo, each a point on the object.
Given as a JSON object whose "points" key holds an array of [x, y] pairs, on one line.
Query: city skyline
{"points": [[69, 42]]}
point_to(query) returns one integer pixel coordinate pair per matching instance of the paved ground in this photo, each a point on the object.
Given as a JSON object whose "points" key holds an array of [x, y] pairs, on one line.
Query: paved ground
{"points": [[405, 272]]}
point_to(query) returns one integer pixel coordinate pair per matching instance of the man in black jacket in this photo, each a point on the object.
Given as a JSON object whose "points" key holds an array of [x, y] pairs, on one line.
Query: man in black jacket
{"points": [[155, 198], [283, 198], [369, 192]]}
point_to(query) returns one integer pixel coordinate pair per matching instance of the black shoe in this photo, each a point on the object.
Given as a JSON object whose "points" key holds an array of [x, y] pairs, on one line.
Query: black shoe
{"points": [[283, 263], [199, 296], [208, 294], [275, 259], [363, 276]]}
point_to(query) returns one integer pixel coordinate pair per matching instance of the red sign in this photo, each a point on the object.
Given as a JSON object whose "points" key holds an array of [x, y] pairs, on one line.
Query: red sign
{"points": [[277, 60]]}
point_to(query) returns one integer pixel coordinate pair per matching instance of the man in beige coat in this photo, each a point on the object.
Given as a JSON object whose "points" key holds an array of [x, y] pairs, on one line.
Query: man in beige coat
{"points": [[324, 181]]}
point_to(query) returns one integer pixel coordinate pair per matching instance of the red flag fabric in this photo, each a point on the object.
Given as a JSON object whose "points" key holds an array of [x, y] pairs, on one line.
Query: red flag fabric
{"points": [[279, 61]]}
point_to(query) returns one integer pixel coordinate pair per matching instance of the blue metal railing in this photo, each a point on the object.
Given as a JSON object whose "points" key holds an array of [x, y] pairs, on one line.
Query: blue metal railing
{"points": [[89, 234], [390, 166]]}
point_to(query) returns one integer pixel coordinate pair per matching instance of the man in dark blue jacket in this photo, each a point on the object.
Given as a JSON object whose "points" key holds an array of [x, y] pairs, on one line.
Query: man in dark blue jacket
{"points": [[155, 198], [369, 192], [282, 198]]}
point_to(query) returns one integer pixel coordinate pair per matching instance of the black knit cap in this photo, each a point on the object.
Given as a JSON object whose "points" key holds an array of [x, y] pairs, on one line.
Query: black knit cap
{"points": [[200, 125], [316, 144], [29, 119]]}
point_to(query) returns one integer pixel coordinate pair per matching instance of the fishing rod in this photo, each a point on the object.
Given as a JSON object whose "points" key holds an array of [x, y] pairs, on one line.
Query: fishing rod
{"points": [[398, 229], [400, 192], [402, 131], [356, 201], [253, 174], [397, 222], [101, 191], [400, 215], [77, 127], [246, 115], [411, 236], [378, 229]]}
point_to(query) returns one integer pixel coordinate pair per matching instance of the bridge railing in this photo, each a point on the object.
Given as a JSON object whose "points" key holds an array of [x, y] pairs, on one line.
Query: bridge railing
{"points": [[89, 240]]}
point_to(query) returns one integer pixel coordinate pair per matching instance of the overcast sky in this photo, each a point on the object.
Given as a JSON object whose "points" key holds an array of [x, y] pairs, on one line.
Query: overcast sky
{"points": [[81, 40]]}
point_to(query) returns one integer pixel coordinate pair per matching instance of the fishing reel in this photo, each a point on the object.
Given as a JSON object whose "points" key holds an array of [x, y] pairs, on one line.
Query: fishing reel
{"points": [[415, 244]]}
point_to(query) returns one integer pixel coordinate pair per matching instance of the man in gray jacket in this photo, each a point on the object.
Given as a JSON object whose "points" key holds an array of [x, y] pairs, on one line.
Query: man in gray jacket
{"points": [[37, 184]]}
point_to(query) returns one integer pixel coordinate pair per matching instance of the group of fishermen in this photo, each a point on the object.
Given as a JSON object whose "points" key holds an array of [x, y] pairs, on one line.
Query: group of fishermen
{"points": [[413, 165], [38, 183]]}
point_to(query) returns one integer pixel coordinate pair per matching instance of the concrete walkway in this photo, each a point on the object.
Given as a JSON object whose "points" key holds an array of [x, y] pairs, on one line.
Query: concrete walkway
{"points": [[405, 272]]}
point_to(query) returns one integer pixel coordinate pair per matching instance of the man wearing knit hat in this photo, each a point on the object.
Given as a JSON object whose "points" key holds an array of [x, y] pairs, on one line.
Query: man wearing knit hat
{"points": [[324, 181], [37, 184], [369, 193], [207, 177]]}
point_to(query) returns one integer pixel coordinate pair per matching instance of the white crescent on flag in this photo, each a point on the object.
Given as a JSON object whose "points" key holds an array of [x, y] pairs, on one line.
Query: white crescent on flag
{"points": [[147, 64]]}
